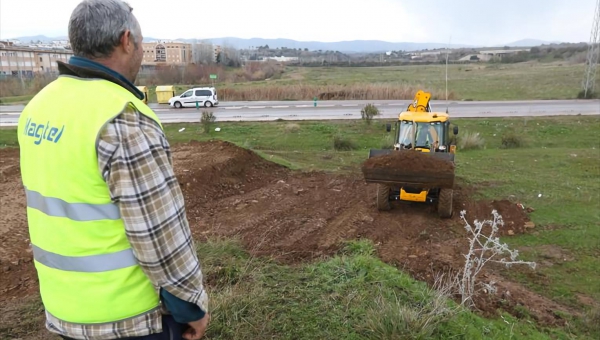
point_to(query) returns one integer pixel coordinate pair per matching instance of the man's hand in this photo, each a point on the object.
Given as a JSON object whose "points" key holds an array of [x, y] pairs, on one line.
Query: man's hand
{"points": [[197, 328]]}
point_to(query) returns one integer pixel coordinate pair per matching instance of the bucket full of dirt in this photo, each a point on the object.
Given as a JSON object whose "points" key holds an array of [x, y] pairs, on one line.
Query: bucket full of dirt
{"points": [[410, 168]]}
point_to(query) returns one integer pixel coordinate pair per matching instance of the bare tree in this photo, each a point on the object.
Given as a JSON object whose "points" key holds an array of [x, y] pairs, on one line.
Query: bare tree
{"points": [[203, 52]]}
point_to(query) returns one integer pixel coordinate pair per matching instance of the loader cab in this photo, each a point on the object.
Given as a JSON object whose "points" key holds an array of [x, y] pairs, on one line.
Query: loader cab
{"points": [[424, 131]]}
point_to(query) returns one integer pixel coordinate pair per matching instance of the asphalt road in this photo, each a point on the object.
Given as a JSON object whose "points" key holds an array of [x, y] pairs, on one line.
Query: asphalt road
{"points": [[350, 109]]}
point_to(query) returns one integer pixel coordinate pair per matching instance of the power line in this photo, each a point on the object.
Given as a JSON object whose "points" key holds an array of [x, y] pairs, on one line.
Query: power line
{"points": [[589, 80]]}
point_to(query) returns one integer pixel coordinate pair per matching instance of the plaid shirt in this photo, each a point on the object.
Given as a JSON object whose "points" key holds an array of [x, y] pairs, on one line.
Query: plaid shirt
{"points": [[134, 158]]}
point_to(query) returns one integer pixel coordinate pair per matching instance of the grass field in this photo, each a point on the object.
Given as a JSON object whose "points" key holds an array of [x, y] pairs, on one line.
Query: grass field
{"points": [[522, 81], [555, 171]]}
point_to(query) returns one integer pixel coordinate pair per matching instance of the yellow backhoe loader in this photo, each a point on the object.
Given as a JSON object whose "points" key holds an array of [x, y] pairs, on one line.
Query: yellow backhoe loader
{"points": [[418, 129]]}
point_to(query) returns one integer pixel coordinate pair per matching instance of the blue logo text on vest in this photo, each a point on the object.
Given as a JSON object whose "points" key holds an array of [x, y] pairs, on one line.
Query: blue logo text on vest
{"points": [[43, 132]]}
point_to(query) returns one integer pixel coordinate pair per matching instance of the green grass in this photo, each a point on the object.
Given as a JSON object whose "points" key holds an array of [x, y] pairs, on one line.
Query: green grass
{"points": [[352, 295], [15, 100], [560, 160]]}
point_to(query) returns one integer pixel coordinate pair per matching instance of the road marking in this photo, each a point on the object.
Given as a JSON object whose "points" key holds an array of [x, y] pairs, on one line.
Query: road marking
{"points": [[233, 108], [326, 105], [280, 107], [256, 107], [395, 104], [303, 105], [161, 110], [10, 113], [350, 105]]}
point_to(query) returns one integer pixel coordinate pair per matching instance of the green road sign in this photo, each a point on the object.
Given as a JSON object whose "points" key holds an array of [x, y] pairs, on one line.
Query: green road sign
{"points": [[213, 76]]}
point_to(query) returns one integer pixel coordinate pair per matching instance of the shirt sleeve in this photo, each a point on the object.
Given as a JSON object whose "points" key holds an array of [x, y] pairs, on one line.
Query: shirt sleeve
{"points": [[134, 159]]}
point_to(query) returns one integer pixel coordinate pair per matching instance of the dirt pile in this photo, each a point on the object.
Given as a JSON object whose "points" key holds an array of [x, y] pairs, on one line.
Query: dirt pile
{"points": [[408, 168], [412, 161], [217, 169]]}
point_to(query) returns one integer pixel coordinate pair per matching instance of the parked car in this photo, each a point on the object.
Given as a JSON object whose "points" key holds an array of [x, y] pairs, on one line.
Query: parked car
{"points": [[205, 96]]}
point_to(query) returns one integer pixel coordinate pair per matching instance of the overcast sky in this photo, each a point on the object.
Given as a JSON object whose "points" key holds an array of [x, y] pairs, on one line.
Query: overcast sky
{"points": [[472, 22]]}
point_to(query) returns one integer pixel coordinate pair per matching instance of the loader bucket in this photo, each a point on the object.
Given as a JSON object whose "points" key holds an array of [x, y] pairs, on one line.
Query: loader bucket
{"points": [[411, 168]]}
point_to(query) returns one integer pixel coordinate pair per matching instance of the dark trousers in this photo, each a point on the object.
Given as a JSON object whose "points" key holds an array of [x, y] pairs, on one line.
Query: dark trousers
{"points": [[172, 330]]}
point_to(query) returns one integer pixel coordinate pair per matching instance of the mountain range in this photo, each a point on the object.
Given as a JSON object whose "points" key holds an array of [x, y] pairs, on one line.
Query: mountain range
{"points": [[354, 46]]}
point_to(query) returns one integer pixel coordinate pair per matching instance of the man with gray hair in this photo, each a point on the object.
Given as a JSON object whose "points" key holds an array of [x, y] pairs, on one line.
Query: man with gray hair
{"points": [[111, 242]]}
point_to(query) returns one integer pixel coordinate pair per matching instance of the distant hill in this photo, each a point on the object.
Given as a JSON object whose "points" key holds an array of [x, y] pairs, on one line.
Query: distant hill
{"points": [[42, 38], [531, 43], [353, 46], [342, 46]]}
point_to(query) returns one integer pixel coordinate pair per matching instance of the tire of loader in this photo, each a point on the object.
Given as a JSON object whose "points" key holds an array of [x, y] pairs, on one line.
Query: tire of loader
{"points": [[445, 203], [383, 197]]}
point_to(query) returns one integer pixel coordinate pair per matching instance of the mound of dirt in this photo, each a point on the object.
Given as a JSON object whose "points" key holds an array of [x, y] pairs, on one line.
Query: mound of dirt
{"points": [[214, 170], [513, 216], [409, 168], [411, 161]]}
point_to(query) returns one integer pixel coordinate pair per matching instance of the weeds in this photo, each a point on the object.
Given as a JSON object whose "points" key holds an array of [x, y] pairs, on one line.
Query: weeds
{"points": [[471, 141], [512, 140], [387, 142], [291, 128], [484, 246], [395, 319], [207, 120], [342, 143], [369, 112]]}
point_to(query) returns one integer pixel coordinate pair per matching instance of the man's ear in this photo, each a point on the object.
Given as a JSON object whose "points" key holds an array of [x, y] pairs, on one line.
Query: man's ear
{"points": [[127, 42]]}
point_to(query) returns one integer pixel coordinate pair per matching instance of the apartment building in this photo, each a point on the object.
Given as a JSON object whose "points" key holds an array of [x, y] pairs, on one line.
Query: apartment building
{"points": [[15, 60], [167, 52]]}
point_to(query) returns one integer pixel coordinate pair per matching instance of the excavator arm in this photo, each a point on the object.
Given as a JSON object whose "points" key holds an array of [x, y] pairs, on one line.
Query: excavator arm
{"points": [[421, 102]]}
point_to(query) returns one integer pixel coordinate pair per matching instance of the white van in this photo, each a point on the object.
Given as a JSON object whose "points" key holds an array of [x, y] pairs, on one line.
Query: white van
{"points": [[205, 96]]}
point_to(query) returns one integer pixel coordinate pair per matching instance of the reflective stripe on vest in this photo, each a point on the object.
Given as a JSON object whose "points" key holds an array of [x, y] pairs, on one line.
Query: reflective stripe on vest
{"points": [[87, 271], [56, 207], [86, 264]]}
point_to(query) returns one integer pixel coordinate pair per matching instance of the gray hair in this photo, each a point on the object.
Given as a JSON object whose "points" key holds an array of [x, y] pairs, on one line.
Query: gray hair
{"points": [[96, 27]]}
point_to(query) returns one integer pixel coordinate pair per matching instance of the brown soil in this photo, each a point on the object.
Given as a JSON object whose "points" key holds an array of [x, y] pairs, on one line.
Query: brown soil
{"points": [[409, 168], [295, 217], [415, 161], [17, 274]]}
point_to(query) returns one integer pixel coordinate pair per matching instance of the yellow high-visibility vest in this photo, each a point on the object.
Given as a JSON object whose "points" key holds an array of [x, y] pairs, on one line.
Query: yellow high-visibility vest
{"points": [[86, 268]]}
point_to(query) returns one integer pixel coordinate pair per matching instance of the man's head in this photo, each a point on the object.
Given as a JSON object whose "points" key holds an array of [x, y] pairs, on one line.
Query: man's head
{"points": [[106, 31]]}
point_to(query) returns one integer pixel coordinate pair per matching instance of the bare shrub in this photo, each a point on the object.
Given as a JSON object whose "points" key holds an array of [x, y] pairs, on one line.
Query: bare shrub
{"points": [[12, 86], [292, 128], [484, 247], [206, 120], [512, 140], [470, 141], [369, 112], [258, 75], [342, 143]]}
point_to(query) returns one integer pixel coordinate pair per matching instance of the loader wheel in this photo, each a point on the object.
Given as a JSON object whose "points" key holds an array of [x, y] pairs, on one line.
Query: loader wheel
{"points": [[383, 197], [445, 203]]}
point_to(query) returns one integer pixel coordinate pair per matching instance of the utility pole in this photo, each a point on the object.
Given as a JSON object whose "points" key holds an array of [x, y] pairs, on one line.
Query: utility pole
{"points": [[589, 80]]}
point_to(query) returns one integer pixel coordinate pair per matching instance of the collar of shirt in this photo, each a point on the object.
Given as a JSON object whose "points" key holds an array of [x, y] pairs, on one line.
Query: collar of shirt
{"points": [[80, 65]]}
